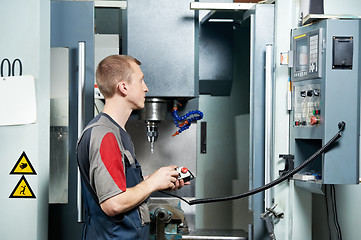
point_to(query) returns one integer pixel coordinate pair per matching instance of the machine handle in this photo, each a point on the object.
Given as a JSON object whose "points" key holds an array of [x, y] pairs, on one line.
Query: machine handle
{"points": [[81, 93], [268, 120]]}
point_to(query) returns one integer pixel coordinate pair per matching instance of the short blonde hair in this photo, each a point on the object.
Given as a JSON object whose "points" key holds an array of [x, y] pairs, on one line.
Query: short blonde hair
{"points": [[112, 70]]}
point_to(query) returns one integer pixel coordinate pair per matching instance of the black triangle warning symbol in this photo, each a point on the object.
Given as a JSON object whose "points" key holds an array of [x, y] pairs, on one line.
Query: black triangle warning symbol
{"points": [[23, 166], [22, 190]]}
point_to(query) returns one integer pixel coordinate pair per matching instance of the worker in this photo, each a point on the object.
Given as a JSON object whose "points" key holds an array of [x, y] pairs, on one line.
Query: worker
{"points": [[114, 191]]}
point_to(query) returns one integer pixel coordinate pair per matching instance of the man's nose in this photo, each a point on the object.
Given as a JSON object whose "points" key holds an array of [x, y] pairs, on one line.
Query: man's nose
{"points": [[146, 88]]}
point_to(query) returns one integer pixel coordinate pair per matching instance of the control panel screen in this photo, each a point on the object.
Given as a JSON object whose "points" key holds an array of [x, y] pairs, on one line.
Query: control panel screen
{"points": [[306, 57], [301, 58]]}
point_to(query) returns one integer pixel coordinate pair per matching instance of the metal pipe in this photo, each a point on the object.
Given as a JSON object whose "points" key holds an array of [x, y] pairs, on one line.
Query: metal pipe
{"points": [[268, 120], [251, 114], [81, 93]]}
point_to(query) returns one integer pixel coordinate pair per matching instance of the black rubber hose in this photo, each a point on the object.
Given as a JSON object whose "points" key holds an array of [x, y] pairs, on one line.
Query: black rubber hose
{"points": [[341, 126]]}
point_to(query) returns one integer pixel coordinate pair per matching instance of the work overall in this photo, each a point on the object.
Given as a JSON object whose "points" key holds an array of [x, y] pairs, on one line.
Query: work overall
{"points": [[131, 225]]}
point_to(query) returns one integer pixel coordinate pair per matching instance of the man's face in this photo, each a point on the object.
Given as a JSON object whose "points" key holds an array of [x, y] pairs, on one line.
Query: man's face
{"points": [[137, 88]]}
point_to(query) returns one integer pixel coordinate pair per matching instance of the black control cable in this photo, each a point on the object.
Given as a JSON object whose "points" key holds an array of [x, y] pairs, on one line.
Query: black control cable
{"points": [[327, 213], [323, 149], [334, 207]]}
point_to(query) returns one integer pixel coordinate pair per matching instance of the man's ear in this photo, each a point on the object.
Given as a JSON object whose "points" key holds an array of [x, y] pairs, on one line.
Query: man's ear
{"points": [[123, 88]]}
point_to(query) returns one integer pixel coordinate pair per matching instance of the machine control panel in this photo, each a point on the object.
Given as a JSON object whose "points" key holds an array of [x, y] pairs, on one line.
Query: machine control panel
{"points": [[307, 105], [325, 91]]}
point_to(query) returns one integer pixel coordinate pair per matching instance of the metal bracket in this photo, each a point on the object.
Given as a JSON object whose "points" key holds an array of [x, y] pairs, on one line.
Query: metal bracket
{"points": [[289, 164], [268, 216]]}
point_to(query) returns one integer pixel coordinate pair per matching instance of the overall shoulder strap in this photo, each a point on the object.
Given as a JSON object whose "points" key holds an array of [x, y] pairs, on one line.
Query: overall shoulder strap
{"points": [[81, 166]]}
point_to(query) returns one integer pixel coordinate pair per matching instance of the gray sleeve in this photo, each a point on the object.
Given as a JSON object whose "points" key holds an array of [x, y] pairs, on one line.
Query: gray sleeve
{"points": [[100, 178]]}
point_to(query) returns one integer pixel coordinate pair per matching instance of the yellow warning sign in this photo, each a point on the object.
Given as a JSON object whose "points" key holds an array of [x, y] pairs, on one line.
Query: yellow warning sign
{"points": [[23, 166], [22, 190]]}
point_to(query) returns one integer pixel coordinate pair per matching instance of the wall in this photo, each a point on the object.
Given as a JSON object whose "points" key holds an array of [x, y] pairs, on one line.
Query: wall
{"points": [[25, 35], [347, 7]]}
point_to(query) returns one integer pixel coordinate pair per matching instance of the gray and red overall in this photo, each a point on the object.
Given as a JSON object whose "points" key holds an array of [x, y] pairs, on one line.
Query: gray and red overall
{"points": [[131, 225]]}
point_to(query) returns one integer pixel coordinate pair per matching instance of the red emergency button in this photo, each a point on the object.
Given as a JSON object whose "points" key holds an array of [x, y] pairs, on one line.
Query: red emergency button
{"points": [[184, 170], [314, 120]]}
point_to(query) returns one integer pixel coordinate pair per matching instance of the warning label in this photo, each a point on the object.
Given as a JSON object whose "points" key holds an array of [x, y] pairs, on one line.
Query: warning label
{"points": [[22, 190], [23, 166]]}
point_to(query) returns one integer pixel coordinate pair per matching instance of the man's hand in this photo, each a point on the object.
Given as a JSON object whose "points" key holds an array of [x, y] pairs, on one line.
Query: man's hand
{"points": [[178, 184], [165, 178]]}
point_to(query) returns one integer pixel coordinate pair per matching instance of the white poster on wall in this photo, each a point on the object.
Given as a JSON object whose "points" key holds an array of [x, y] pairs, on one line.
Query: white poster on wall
{"points": [[17, 100]]}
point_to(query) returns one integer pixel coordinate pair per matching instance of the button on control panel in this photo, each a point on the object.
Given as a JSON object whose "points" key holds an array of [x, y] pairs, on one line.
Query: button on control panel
{"points": [[307, 105]]}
